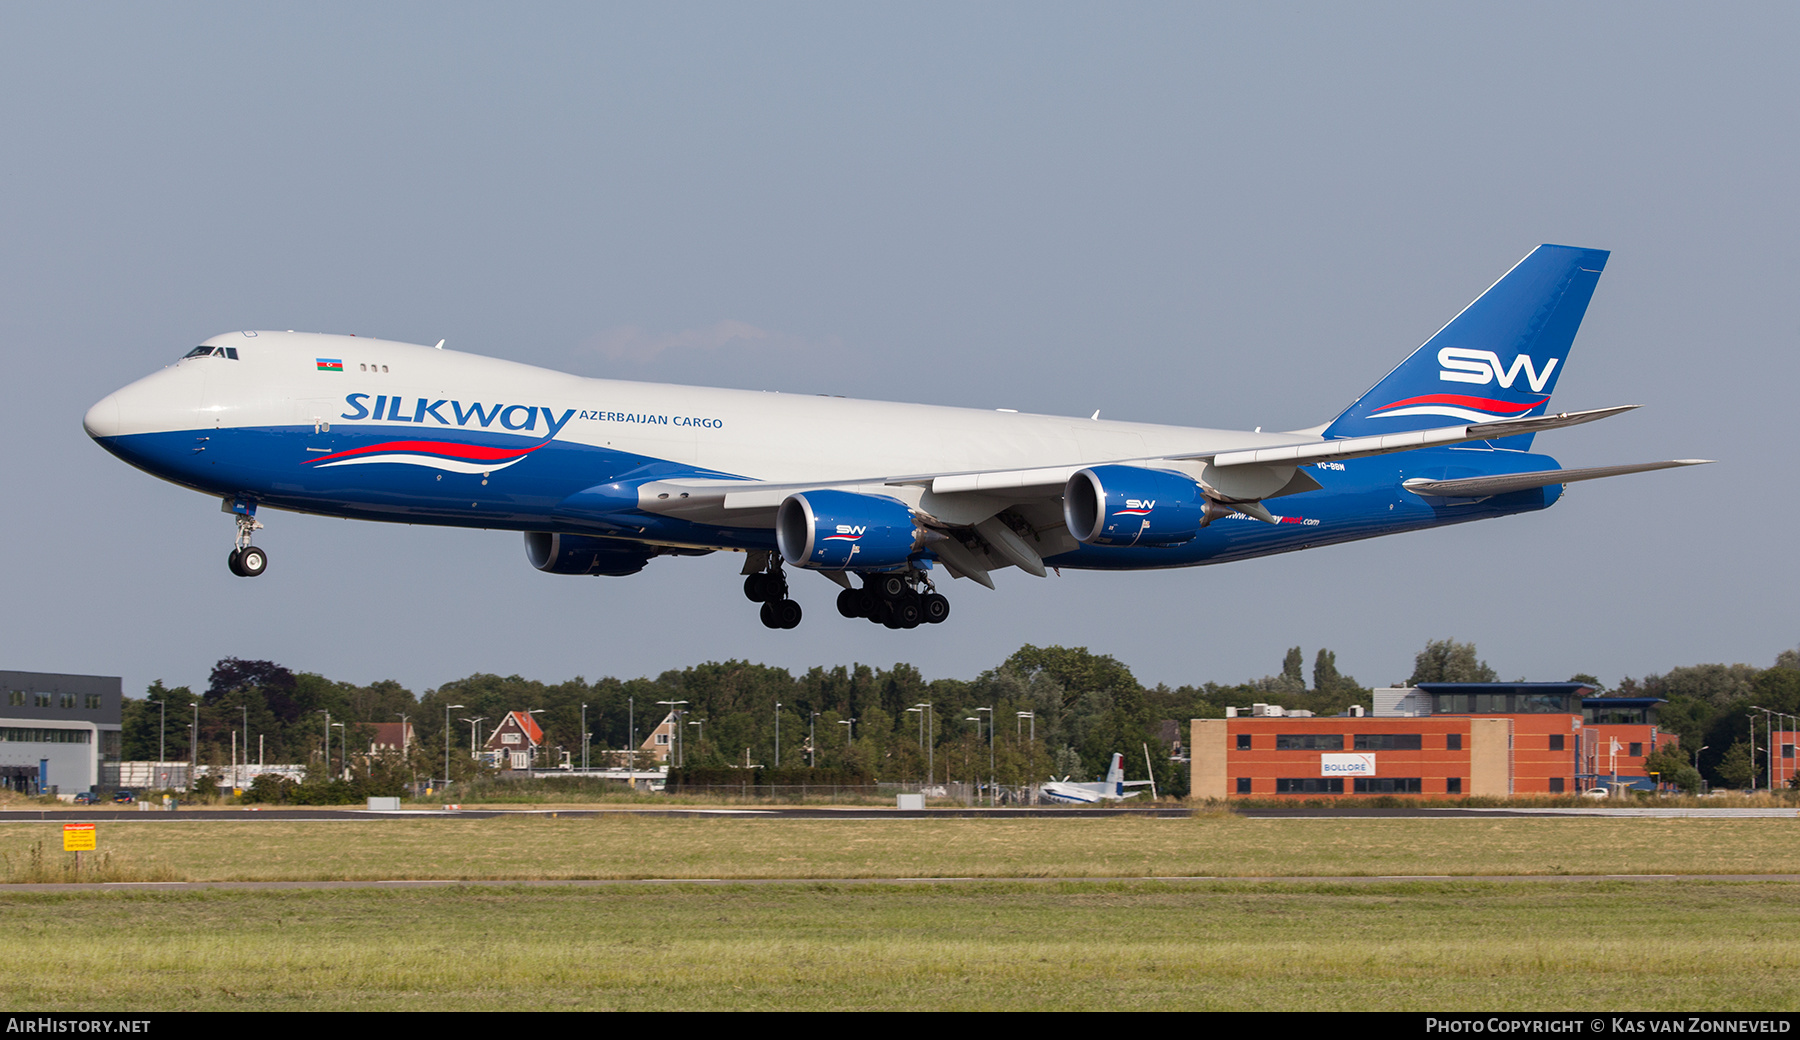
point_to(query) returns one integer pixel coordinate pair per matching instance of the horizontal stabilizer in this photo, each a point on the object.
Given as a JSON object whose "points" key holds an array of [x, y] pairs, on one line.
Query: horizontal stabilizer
{"points": [[1503, 483], [1384, 444]]}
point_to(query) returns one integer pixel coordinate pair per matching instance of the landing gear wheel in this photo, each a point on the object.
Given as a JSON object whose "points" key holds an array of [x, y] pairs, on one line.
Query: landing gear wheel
{"points": [[756, 588], [936, 608], [232, 562], [767, 614], [906, 612], [849, 603], [891, 585], [251, 561], [787, 613]]}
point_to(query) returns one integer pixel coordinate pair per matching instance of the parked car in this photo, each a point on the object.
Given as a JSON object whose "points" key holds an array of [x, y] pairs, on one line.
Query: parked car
{"points": [[123, 796], [86, 798]]}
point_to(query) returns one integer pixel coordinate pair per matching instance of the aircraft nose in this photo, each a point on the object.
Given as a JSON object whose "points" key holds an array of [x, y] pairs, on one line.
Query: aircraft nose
{"points": [[102, 420]]}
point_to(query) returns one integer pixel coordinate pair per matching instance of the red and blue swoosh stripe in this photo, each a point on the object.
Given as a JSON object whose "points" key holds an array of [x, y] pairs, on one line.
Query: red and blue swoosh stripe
{"points": [[1458, 406], [445, 455]]}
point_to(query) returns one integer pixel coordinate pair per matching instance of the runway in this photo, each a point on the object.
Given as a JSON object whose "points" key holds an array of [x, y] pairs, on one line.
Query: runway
{"points": [[774, 812]]}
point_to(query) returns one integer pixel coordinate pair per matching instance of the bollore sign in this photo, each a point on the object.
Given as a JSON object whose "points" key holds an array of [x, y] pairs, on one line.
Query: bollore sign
{"points": [[1347, 765]]}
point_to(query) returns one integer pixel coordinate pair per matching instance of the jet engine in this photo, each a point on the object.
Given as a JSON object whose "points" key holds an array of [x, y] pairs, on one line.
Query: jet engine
{"points": [[1128, 505], [840, 530], [584, 554]]}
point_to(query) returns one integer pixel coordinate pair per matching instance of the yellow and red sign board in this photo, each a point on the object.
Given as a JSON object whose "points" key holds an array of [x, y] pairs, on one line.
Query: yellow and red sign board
{"points": [[78, 837]]}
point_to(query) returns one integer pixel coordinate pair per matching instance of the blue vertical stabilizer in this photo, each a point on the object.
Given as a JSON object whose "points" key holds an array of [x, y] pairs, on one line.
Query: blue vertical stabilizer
{"points": [[1498, 359]]}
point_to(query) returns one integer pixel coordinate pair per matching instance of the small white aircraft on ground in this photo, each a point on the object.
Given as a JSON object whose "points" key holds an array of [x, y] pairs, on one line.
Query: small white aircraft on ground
{"points": [[1111, 789]]}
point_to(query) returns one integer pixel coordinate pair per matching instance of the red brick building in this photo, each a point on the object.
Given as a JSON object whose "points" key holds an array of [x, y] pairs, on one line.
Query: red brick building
{"points": [[1438, 739], [1619, 733]]}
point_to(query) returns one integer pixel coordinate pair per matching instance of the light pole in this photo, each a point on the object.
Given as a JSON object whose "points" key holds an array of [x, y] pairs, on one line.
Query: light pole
{"points": [[537, 711], [849, 731], [344, 738], [812, 740], [1778, 775], [915, 709], [447, 708], [930, 739], [675, 717], [584, 739], [976, 719], [1031, 755], [472, 724], [162, 732], [1768, 735], [406, 742], [246, 710], [990, 720], [1752, 723], [777, 734], [327, 714], [701, 725]]}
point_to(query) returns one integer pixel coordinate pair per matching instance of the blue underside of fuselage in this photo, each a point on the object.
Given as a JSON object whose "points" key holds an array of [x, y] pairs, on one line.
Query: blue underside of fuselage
{"points": [[293, 468]]}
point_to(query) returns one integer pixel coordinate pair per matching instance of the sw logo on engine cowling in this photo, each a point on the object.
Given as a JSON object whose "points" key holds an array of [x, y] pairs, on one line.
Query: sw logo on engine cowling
{"points": [[1137, 507], [847, 533]]}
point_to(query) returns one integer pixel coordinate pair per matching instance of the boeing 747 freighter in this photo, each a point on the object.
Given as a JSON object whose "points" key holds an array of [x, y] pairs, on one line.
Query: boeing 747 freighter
{"points": [[604, 476]]}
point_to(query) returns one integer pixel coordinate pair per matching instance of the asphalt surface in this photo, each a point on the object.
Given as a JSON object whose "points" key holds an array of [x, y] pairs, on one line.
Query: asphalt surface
{"points": [[770, 812], [98, 815]]}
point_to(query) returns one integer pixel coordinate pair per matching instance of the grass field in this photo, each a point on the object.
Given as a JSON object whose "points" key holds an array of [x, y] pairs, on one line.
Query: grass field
{"points": [[630, 846], [816, 944], [992, 945]]}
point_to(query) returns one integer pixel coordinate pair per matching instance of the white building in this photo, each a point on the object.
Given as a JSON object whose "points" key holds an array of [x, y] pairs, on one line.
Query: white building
{"points": [[57, 730]]}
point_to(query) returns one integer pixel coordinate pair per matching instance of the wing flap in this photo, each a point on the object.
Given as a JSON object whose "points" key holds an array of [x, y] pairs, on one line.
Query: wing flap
{"points": [[1050, 478]]}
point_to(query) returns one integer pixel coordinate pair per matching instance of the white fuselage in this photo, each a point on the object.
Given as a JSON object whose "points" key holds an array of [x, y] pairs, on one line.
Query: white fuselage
{"points": [[760, 435]]}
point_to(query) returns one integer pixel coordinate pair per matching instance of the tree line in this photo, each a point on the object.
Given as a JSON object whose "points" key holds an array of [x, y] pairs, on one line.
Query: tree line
{"points": [[1044, 711]]}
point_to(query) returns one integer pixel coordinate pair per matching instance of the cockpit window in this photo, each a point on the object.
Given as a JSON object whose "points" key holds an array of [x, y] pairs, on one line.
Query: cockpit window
{"points": [[198, 352], [224, 352]]}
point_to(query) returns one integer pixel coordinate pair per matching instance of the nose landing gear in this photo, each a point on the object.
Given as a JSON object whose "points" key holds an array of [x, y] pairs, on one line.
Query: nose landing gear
{"points": [[246, 560]]}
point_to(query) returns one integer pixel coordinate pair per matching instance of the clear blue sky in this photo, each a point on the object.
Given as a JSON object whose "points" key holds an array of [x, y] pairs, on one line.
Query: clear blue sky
{"points": [[1227, 216]]}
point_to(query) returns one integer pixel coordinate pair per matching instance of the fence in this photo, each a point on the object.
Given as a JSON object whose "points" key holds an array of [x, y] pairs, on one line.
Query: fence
{"points": [[177, 776]]}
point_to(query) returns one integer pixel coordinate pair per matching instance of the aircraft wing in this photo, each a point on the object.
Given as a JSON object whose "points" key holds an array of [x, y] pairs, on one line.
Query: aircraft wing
{"points": [[695, 496], [1238, 478]]}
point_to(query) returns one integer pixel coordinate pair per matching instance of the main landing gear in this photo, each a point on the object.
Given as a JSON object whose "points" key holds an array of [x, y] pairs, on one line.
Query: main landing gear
{"points": [[898, 599], [246, 560], [770, 588], [895, 600]]}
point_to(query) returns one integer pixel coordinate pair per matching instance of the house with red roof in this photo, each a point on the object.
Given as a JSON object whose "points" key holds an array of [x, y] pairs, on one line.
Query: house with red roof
{"points": [[514, 742], [391, 736]]}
